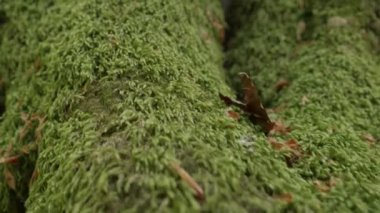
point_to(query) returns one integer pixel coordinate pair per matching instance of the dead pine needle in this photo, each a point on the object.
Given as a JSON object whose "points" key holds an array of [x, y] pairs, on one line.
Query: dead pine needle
{"points": [[199, 194], [10, 179], [10, 159]]}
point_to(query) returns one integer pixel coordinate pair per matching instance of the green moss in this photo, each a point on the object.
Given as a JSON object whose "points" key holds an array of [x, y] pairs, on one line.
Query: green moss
{"points": [[335, 68], [127, 87]]}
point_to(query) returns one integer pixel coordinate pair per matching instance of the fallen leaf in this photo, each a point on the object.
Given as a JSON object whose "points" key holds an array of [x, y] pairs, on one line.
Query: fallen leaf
{"points": [[199, 194], [9, 179], [253, 105], [369, 138], [275, 144], [234, 115], [286, 197], [292, 144], [281, 84]]}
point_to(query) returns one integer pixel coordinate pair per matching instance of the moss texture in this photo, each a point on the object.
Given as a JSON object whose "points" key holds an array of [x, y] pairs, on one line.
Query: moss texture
{"points": [[333, 97], [129, 86], [126, 88]]}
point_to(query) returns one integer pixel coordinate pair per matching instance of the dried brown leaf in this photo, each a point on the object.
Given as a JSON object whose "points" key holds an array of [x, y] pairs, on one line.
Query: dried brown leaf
{"points": [[275, 144], [292, 144], [254, 106], [281, 84], [234, 115], [199, 194], [9, 179], [296, 153]]}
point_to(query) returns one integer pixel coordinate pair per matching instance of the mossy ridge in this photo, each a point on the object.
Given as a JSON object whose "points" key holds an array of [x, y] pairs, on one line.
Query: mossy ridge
{"points": [[338, 74], [127, 88]]}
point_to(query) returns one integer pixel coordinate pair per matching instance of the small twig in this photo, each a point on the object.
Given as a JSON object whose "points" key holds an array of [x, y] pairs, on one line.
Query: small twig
{"points": [[10, 179], [199, 194]]}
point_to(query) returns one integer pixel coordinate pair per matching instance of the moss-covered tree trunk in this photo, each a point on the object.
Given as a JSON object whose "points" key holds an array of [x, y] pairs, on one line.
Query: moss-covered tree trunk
{"points": [[103, 96], [126, 88]]}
